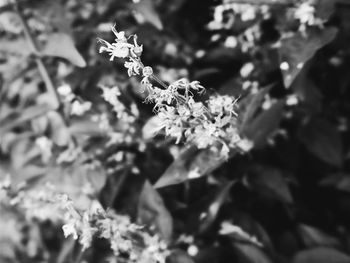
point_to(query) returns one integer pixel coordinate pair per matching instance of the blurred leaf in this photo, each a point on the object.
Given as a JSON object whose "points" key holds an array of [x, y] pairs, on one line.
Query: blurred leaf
{"points": [[297, 49], [59, 131], [87, 127], [19, 117], [17, 46], [147, 10], [321, 255], [62, 45], [22, 152], [190, 160], [237, 233], [253, 227], [324, 8], [152, 211], [323, 140], [338, 181], [306, 90], [269, 181], [312, 236], [214, 207], [179, 256], [75, 180], [250, 105], [151, 127], [261, 127], [251, 254]]}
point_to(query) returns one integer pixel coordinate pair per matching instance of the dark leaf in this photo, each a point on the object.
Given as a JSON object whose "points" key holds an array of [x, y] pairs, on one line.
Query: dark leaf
{"points": [[321, 255], [269, 181], [152, 211], [214, 207], [191, 162], [179, 256], [251, 254], [298, 49], [338, 181], [261, 127], [323, 140], [324, 8], [250, 105], [312, 236]]}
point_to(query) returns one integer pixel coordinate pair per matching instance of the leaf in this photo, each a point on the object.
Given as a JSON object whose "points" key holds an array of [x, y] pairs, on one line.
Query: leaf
{"points": [[306, 90], [250, 105], [261, 127], [324, 8], [323, 140], [251, 226], [73, 180], [152, 211], [59, 131], [251, 254], [20, 117], [269, 181], [84, 127], [147, 10], [214, 206], [61, 45], [338, 181], [298, 49], [321, 255], [191, 160], [179, 256], [312, 236], [17, 46]]}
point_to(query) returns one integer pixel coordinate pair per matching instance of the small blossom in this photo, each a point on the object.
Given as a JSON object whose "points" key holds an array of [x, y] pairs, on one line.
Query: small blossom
{"points": [[70, 230], [147, 71]]}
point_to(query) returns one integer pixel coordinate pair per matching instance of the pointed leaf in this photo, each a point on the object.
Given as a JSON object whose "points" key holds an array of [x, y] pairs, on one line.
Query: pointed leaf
{"points": [[323, 140], [298, 49], [152, 211], [312, 236], [269, 181], [321, 255], [261, 127], [62, 45], [148, 11], [251, 254], [191, 161], [214, 206], [59, 131]]}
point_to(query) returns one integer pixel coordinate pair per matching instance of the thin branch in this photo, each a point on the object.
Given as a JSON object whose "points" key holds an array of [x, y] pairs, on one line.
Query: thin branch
{"points": [[262, 2], [40, 64]]}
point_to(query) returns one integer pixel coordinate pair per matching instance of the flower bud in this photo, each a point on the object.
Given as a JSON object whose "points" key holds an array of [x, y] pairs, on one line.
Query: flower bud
{"points": [[137, 50], [147, 71]]}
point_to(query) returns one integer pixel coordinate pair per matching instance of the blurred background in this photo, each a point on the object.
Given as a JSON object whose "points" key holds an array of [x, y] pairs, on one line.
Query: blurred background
{"points": [[285, 197]]}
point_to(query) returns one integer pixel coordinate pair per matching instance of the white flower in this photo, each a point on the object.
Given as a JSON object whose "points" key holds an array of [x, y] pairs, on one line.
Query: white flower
{"points": [[118, 49], [79, 108], [70, 230]]}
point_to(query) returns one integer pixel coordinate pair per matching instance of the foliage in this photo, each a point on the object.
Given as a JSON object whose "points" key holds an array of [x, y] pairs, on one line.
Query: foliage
{"points": [[174, 131]]}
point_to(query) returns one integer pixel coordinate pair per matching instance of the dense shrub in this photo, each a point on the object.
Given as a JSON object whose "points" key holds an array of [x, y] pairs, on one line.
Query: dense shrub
{"points": [[174, 131]]}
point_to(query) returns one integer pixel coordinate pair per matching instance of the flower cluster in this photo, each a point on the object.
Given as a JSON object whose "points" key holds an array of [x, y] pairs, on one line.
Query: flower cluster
{"points": [[206, 124], [125, 237]]}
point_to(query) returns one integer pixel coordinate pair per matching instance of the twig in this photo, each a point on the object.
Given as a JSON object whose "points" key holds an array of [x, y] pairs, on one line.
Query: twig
{"points": [[262, 2], [40, 64]]}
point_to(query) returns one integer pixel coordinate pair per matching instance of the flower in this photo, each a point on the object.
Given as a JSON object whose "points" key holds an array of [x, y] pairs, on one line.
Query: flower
{"points": [[118, 49], [69, 229]]}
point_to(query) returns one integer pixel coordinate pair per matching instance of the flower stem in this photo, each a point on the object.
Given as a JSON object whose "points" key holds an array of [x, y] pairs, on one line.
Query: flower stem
{"points": [[39, 62]]}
